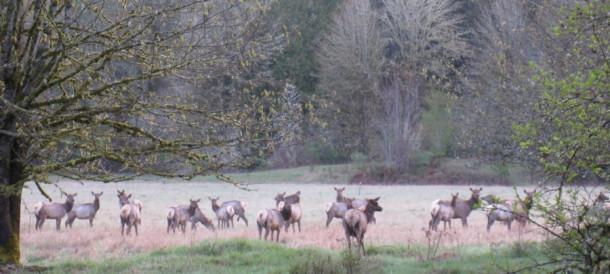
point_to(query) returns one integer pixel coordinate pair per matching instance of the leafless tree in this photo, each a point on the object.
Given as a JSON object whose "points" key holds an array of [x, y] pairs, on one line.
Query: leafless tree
{"points": [[384, 57]]}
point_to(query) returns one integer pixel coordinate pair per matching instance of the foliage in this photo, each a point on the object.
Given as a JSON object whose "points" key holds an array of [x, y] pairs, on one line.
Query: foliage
{"points": [[110, 90], [570, 134], [437, 125], [305, 20]]}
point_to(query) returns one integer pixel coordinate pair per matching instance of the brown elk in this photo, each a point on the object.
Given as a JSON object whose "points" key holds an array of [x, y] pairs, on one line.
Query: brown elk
{"points": [[464, 207], [340, 197], [199, 217], [510, 211], [130, 213], [224, 214], [335, 210], [44, 210], [290, 199], [355, 223], [178, 215], [84, 211], [441, 212], [123, 197], [273, 220]]}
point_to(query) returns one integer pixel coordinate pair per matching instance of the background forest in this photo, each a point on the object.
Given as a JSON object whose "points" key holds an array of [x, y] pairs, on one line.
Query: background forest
{"points": [[407, 84]]}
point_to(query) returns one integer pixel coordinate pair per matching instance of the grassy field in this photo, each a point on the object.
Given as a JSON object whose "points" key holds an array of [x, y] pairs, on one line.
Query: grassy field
{"points": [[397, 240]]}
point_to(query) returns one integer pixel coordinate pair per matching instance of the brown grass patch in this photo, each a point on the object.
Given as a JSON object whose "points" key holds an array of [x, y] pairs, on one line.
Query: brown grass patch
{"points": [[403, 220]]}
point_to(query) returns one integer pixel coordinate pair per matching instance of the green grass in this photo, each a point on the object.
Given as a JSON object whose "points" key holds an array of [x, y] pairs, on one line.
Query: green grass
{"points": [[463, 171], [330, 174], [253, 256]]}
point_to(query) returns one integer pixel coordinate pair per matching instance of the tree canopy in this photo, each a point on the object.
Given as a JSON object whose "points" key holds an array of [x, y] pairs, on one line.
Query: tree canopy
{"points": [[109, 90]]}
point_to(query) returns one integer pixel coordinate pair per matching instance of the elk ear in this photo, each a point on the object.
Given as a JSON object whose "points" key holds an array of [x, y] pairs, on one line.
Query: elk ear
{"points": [[299, 192], [198, 200], [129, 196], [101, 193], [92, 193], [210, 198], [284, 193], [471, 189], [481, 189], [336, 188], [75, 194], [376, 199]]}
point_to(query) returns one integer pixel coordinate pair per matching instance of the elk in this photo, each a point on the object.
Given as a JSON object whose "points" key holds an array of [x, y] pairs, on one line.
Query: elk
{"points": [[273, 220], [290, 199], [442, 212], [124, 198], [84, 211], [464, 207], [357, 203], [200, 217], [130, 216], [340, 197], [224, 214], [510, 211], [335, 210], [178, 215], [295, 216], [355, 223], [129, 213], [238, 206], [44, 210], [522, 207]]}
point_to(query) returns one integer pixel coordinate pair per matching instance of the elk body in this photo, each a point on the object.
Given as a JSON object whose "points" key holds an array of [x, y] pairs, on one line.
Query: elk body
{"points": [[357, 203], [355, 222], [510, 211], [295, 216], [239, 208], [44, 210], [463, 208], [84, 211], [272, 220], [441, 212], [130, 216], [290, 199], [199, 217], [129, 213], [224, 214], [178, 215], [335, 210]]}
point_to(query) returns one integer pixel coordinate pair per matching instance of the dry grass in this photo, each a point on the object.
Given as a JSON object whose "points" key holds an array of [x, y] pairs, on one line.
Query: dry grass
{"points": [[403, 220]]}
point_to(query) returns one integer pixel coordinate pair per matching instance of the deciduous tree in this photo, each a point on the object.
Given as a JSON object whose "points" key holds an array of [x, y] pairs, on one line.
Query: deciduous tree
{"points": [[89, 88]]}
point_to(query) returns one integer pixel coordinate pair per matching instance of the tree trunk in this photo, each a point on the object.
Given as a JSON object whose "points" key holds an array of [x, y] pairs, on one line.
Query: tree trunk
{"points": [[10, 217], [11, 175]]}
